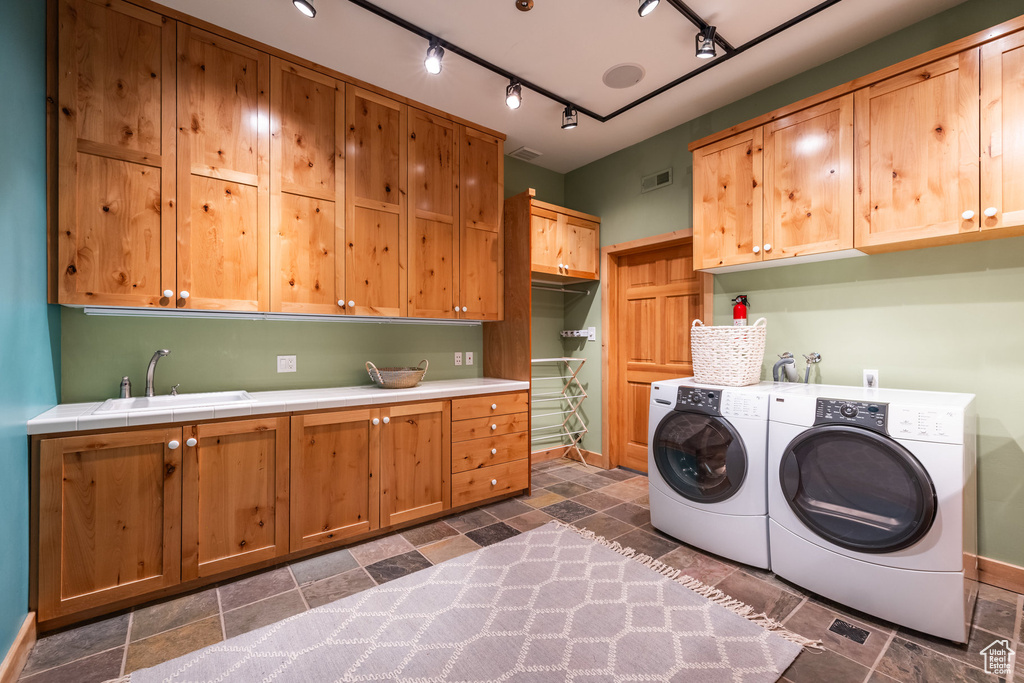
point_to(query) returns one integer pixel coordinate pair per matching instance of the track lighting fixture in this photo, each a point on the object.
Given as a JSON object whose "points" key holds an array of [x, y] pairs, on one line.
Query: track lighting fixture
{"points": [[514, 94], [570, 118], [306, 7], [647, 6], [706, 43], [434, 55]]}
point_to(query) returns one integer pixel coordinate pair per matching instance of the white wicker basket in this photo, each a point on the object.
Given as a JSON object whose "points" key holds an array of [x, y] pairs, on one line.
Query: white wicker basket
{"points": [[727, 356]]}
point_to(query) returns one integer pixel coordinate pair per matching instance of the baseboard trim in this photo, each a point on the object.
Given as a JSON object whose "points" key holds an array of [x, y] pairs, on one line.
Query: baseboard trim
{"points": [[592, 458], [16, 657], [1001, 574]]}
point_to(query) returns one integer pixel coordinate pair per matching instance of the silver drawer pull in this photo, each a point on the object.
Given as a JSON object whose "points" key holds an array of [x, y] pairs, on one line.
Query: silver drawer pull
{"points": [[191, 443], [494, 451]]}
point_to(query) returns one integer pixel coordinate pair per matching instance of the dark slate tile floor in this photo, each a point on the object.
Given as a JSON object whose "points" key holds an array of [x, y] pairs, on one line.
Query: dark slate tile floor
{"points": [[613, 504]]}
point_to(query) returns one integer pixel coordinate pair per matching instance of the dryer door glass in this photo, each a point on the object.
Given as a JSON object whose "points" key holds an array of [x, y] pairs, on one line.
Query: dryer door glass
{"points": [[700, 456], [857, 489]]}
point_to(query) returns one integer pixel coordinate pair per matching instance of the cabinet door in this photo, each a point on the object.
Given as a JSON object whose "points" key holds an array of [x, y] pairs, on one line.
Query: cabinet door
{"points": [[109, 518], [808, 181], [334, 476], [115, 133], [728, 201], [307, 190], [375, 225], [223, 173], [1002, 133], [916, 164], [416, 461], [582, 245], [482, 259], [235, 495], [547, 239], [433, 216]]}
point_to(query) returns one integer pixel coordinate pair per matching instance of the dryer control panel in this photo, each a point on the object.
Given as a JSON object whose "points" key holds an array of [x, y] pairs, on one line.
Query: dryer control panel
{"points": [[864, 414], [697, 400]]}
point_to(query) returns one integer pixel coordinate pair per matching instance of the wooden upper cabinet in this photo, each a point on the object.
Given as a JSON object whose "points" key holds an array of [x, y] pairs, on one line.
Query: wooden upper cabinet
{"points": [[433, 216], [582, 248], [728, 201], [917, 168], [116, 155], [375, 200], [546, 243], [307, 190], [564, 243], [1002, 134], [335, 460], [234, 495], [808, 181], [223, 173], [416, 461], [481, 243], [109, 518]]}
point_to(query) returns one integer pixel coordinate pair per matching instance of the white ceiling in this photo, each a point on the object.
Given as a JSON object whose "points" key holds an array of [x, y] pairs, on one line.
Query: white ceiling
{"points": [[565, 46]]}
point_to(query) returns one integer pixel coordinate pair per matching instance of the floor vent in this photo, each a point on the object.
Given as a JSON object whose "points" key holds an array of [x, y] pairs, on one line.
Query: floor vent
{"points": [[849, 631], [525, 154], [656, 181]]}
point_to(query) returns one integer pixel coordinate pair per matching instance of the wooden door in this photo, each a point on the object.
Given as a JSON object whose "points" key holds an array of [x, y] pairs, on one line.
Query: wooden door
{"points": [[115, 138], [109, 518], [433, 216], [728, 201], [223, 173], [808, 181], [235, 495], [1002, 133], [307, 191], [916, 163], [482, 257], [582, 246], [415, 461], [375, 196], [335, 460], [547, 240], [654, 296]]}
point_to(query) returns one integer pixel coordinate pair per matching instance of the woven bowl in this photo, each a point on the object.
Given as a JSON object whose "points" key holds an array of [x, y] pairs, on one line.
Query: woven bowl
{"points": [[397, 378]]}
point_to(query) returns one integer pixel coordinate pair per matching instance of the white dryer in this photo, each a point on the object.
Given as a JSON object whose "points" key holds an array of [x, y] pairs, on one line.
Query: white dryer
{"points": [[872, 501], [706, 467]]}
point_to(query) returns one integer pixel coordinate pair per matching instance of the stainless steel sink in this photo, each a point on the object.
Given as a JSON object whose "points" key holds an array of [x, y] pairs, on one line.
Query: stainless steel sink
{"points": [[202, 400]]}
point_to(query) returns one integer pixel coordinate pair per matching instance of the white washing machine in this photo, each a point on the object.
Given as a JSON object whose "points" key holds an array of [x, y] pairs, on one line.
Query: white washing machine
{"points": [[706, 458], [872, 501]]}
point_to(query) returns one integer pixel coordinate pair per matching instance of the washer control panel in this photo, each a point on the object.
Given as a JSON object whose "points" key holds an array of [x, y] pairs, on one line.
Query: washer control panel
{"points": [[697, 400], [871, 416]]}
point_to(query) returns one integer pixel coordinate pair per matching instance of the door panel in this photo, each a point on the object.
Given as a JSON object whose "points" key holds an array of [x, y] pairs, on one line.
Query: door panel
{"points": [[373, 263], [634, 455], [415, 461], [481, 288], [306, 256], [481, 241], [582, 242], [1002, 132], [546, 241]]}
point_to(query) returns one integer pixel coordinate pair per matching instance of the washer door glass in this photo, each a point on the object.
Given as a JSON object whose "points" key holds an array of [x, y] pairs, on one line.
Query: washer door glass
{"points": [[857, 489], [700, 456]]}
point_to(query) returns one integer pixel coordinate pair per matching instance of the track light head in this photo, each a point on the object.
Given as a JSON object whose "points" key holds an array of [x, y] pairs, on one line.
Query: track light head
{"points": [[435, 53], [706, 43], [647, 6], [306, 7], [570, 118], [514, 94]]}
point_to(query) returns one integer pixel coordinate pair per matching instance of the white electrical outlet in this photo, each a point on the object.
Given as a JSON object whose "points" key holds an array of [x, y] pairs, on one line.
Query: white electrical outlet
{"points": [[286, 364], [871, 379], [458, 358], [591, 334], [469, 357]]}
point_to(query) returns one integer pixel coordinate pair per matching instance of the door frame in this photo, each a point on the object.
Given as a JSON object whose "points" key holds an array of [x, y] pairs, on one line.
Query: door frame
{"points": [[610, 260]]}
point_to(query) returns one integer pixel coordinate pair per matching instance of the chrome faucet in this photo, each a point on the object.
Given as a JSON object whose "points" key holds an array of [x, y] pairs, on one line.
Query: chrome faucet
{"points": [[152, 369]]}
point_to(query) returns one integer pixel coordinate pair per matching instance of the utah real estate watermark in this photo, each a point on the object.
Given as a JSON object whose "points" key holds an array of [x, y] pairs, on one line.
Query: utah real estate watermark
{"points": [[998, 657]]}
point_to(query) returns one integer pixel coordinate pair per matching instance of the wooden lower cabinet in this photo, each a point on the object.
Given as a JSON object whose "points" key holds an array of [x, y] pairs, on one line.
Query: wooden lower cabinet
{"points": [[416, 461], [109, 518], [235, 495], [490, 447]]}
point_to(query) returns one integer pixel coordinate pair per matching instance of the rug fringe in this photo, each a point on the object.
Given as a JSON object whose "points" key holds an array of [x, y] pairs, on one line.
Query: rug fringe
{"points": [[699, 587]]}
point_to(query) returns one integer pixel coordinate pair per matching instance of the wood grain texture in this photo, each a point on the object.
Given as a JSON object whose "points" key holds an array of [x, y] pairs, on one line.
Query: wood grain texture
{"points": [[482, 258], [583, 248], [547, 240], [492, 404], [109, 520], [307, 248], [235, 495], [335, 460], [14, 661], [1002, 135], [478, 453], [415, 461], [494, 425], [479, 484]]}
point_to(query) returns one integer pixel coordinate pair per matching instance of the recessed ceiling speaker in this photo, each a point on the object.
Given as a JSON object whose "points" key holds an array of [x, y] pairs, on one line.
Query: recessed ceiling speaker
{"points": [[623, 76], [524, 5]]}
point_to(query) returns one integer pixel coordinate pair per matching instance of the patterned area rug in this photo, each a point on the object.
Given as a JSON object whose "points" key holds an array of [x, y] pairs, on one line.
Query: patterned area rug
{"points": [[552, 604]]}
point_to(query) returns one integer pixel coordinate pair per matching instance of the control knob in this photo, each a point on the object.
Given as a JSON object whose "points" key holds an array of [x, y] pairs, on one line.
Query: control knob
{"points": [[848, 410]]}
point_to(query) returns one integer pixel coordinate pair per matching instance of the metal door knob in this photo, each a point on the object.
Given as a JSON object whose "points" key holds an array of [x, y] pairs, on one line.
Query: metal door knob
{"points": [[351, 304], [191, 443], [757, 249], [494, 406], [387, 419], [494, 451], [183, 294], [168, 293], [376, 421], [493, 427], [767, 247], [967, 215], [173, 445], [494, 482], [991, 211]]}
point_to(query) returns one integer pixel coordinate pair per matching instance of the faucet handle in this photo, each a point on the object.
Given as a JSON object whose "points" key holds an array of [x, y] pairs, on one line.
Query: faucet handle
{"points": [[174, 389]]}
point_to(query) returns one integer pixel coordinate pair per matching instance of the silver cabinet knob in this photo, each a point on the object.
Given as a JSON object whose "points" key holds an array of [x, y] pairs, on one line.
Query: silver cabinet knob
{"points": [[351, 304], [183, 294], [757, 249], [767, 247], [991, 211], [191, 443], [173, 445], [387, 419], [494, 482], [376, 421], [967, 215], [493, 427], [494, 406], [494, 451], [464, 309], [341, 302], [168, 293]]}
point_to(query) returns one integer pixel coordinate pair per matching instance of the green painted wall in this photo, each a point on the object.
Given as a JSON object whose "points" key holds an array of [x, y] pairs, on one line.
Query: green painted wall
{"points": [[28, 328], [944, 319], [520, 176]]}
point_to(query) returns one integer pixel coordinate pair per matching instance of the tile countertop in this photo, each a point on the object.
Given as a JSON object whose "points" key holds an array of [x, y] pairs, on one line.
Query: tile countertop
{"points": [[73, 417]]}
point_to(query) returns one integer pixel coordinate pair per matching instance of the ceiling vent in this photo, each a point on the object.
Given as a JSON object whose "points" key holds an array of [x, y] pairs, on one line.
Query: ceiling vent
{"points": [[525, 154], [656, 181]]}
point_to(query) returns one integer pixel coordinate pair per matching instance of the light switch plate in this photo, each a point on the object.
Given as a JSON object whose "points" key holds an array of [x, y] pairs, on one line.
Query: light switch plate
{"points": [[458, 358], [286, 364], [469, 357]]}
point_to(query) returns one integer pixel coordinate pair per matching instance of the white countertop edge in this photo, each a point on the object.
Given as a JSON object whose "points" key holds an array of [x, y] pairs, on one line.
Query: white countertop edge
{"points": [[72, 417]]}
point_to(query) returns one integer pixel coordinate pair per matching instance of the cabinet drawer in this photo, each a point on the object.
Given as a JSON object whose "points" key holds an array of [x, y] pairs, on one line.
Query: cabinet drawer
{"points": [[495, 404], [464, 430], [487, 482], [472, 455]]}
